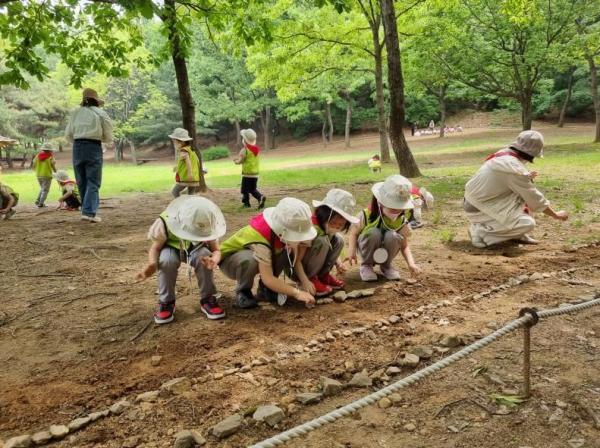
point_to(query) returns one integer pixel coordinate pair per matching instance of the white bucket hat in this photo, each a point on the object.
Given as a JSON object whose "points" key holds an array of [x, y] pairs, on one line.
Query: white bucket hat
{"points": [[61, 176], [530, 142], [394, 192], [249, 136], [291, 221], [194, 218], [47, 146], [181, 134], [340, 201]]}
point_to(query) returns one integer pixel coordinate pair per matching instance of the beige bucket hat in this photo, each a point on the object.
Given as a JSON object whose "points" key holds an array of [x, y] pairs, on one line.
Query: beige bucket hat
{"points": [[194, 218], [91, 93], [394, 192], [181, 134], [530, 142], [291, 221], [47, 146], [340, 201], [61, 176], [249, 136]]}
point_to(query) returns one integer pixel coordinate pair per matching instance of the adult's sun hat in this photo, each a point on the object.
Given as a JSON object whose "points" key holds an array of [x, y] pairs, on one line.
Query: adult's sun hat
{"points": [[91, 93], [180, 134], [530, 142], [394, 192], [249, 136], [194, 218], [291, 221], [340, 201]]}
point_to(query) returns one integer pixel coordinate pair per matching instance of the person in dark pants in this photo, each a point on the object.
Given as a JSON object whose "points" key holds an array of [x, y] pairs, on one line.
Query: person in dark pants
{"points": [[88, 127], [248, 158]]}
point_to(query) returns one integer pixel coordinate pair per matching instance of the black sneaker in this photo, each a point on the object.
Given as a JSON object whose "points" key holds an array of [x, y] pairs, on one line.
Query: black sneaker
{"points": [[245, 205], [261, 203], [165, 313], [264, 293], [245, 299], [211, 308]]}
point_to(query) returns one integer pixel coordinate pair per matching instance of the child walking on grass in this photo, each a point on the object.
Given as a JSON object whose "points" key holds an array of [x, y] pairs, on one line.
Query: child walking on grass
{"points": [[249, 159], [187, 231], [44, 166], [188, 166], [383, 231], [70, 199]]}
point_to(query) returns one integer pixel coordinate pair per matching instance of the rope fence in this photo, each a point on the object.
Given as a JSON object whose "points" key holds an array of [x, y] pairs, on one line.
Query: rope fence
{"points": [[529, 317]]}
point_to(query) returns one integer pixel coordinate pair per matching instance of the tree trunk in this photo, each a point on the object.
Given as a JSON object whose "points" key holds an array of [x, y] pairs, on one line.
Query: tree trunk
{"points": [[133, 153], [183, 83], [9, 161], [267, 127], [238, 137], [526, 111], [60, 147], [348, 123], [563, 109], [329, 122], [595, 97], [406, 162], [384, 149], [323, 133], [442, 103]]}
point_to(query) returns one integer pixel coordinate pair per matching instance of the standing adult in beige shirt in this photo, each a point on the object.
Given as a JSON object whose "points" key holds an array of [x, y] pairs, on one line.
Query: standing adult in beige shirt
{"points": [[500, 197], [88, 127]]}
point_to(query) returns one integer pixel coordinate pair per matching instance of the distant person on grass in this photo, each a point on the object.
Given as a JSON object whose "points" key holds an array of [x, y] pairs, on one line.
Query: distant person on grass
{"points": [[88, 127], [500, 197], [188, 166], [44, 166], [248, 157], [374, 164], [70, 199], [383, 231], [187, 231], [8, 200]]}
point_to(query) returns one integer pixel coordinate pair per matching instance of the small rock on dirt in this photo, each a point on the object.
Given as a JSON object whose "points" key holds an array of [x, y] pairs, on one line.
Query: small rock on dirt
{"points": [[41, 438], [410, 427], [450, 341], [147, 397], [393, 370], [79, 423], [98, 415], [329, 337], [227, 427], [423, 351], [347, 333], [270, 414], [536, 276], [561, 404], [58, 431], [393, 319], [409, 360], [340, 296], [556, 416], [188, 439], [354, 294], [361, 379], [177, 386], [385, 403], [119, 407], [395, 398], [309, 397], [155, 360], [330, 386], [19, 442]]}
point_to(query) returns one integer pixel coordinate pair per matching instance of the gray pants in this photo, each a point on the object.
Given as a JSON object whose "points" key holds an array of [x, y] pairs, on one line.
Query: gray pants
{"points": [[376, 238], [494, 232], [168, 266], [178, 188], [242, 267], [45, 183], [322, 255]]}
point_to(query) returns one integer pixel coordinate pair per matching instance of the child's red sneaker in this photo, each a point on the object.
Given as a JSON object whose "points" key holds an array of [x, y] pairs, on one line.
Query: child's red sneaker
{"points": [[211, 308], [330, 280], [320, 288], [165, 313]]}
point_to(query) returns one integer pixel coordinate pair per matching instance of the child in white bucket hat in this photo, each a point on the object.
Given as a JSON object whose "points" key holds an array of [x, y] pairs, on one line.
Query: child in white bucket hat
{"points": [[70, 199], [332, 215], [189, 231], [267, 246], [382, 231], [248, 157], [44, 166], [187, 171]]}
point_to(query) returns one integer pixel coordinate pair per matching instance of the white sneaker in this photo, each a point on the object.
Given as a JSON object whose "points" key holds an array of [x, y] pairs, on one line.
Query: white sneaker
{"points": [[476, 240], [91, 218], [367, 274], [390, 273], [526, 239]]}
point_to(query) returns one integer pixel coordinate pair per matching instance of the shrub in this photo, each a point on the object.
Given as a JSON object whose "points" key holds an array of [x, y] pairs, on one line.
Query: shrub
{"points": [[215, 152]]}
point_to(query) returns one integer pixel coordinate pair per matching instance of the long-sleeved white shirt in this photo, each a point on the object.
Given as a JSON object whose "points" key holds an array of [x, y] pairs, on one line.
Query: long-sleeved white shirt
{"points": [[91, 123], [501, 188]]}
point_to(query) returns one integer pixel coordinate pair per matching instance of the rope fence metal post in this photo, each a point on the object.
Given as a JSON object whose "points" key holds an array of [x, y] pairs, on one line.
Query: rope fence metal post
{"points": [[526, 390]]}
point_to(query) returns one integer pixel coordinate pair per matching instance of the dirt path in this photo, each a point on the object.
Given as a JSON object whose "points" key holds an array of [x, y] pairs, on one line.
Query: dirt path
{"points": [[71, 309]]}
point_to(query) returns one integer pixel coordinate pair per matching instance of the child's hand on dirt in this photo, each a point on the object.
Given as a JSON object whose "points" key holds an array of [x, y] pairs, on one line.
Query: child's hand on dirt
{"points": [[309, 287], [415, 270], [208, 263], [308, 299], [148, 270], [351, 258], [562, 215], [341, 269]]}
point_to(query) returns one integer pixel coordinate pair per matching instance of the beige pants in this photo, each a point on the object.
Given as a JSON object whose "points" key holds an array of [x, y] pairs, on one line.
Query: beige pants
{"points": [[492, 232]]}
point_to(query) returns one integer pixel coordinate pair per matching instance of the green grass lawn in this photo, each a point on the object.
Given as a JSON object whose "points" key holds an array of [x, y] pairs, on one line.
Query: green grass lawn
{"points": [[569, 164]]}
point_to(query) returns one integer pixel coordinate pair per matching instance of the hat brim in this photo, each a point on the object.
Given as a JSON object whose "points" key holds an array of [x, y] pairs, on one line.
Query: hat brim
{"points": [[396, 204], [180, 139], [348, 217], [175, 228], [286, 234]]}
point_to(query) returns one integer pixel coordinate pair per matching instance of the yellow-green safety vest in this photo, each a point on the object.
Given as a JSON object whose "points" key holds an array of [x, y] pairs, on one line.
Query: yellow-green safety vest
{"points": [[182, 166], [386, 223], [43, 168], [243, 238], [250, 165], [172, 240]]}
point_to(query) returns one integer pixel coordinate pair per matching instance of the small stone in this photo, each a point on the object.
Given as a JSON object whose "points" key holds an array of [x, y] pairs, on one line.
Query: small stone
{"points": [[546, 275], [367, 292], [41, 438], [227, 427], [411, 281], [336, 333], [155, 360], [523, 278], [350, 366], [395, 398], [321, 339], [422, 351], [330, 386], [409, 360], [536, 276], [325, 301], [354, 294], [347, 333], [147, 397], [312, 343], [188, 439], [393, 319], [359, 330], [256, 362], [245, 368], [119, 407], [561, 404], [410, 427], [230, 371], [556, 416], [309, 397], [98, 415], [385, 403], [265, 359], [393, 370], [19, 442], [330, 337], [78, 423], [58, 431], [361, 379], [270, 414], [450, 341], [340, 296], [218, 375], [576, 443], [177, 386]]}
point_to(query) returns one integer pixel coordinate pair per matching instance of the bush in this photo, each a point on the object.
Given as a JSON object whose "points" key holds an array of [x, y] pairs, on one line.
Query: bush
{"points": [[215, 152]]}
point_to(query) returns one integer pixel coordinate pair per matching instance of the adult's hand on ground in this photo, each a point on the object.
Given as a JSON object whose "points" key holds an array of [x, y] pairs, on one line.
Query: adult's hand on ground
{"points": [[308, 299]]}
